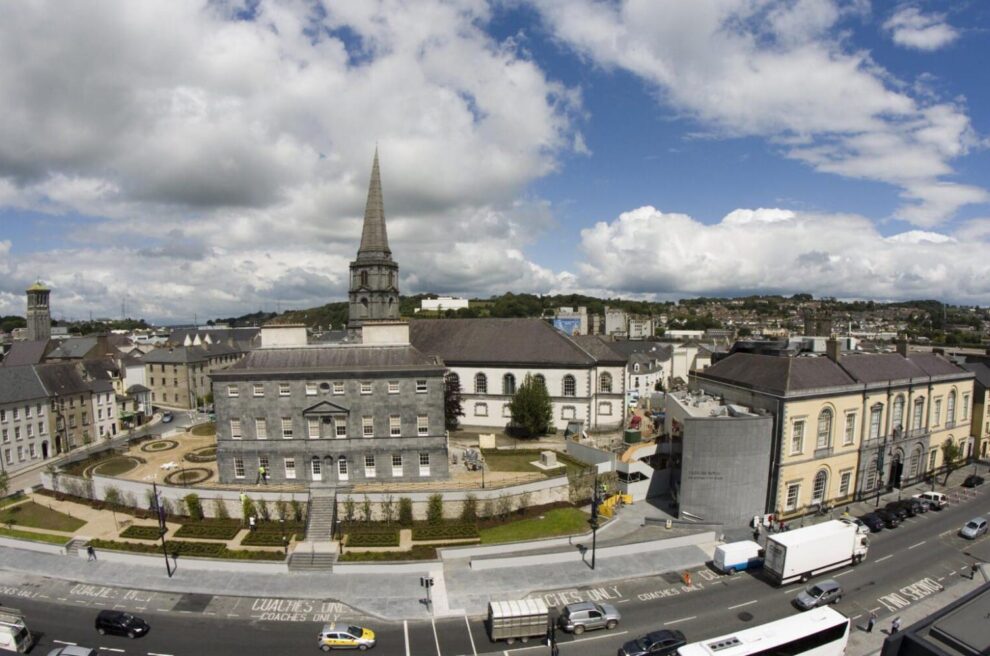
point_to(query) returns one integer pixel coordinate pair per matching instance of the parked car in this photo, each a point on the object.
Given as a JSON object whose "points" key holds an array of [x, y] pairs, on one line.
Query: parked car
{"points": [[72, 650], [973, 481], [935, 500], [337, 635], [890, 519], [873, 521], [116, 622], [896, 508], [167, 417], [974, 528], [861, 526], [820, 594], [656, 643], [578, 618], [912, 505]]}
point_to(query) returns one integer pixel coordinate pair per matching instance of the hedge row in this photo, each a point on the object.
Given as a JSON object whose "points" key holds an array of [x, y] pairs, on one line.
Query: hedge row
{"points": [[141, 532], [196, 549], [267, 538], [373, 539], [367, 527], [418, 552], [453, 531], [208, 531]]}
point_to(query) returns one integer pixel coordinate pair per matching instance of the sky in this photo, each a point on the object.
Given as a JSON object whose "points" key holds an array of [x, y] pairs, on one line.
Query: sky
{"points": [[183, 160]]}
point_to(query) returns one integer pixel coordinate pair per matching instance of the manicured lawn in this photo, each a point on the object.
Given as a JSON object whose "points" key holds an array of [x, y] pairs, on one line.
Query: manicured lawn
{"points": [[521, 461], [559, 521], [33, 515], [28, 535], [204, 430], [115, 466], [6, 501]]}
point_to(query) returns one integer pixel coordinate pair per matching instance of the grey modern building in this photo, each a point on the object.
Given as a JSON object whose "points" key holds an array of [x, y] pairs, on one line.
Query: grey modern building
{"points": [[337, 414]]}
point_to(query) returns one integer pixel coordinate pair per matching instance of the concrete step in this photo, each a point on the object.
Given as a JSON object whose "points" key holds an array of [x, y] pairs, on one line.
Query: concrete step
{"points": [[301, 562], [72, 549]]}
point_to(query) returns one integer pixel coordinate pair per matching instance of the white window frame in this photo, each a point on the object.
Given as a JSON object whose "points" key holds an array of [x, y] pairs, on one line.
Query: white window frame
{"points": [[937, 413], [284, 389], [235, 429], [421, 386], [792, 497], [367, 426], [369, 472], [238, 467], [260, 428], [965, 407], [366, 387], [258, 389], [424, 469], [342, 472], [340, 427], [823, 436], [818, 496], [396, 468], [876, 421], [316, 469], [850, 430], [312, 422], [311, 389], [233, 391], [338, 387], [287, 428], [289, 464], [422, 425], [845, 481], [393, 387], [797, 437], [394, 426]]}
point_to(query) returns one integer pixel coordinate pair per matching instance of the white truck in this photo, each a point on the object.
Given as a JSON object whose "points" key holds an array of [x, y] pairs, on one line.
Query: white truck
{"points": [[805, 552], [14, 634], [518, 619], [737, 556]]}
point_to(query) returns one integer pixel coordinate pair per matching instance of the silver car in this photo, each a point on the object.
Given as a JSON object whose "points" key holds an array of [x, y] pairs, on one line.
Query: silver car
{"points": [[974, 528], [820, 594], [578, 618]]}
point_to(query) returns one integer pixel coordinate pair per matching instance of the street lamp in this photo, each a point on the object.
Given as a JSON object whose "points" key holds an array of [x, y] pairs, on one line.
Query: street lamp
{"points": [[285, 543], [595, 500]]}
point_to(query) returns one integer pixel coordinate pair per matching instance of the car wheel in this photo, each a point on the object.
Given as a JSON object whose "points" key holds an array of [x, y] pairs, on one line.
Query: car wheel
{"points": [[524, 639], [101, 631], [837, 599], [578, 630], [805, 578], [732, 571], [611, 625], [325, 647], [131, 635], [362, 647]]}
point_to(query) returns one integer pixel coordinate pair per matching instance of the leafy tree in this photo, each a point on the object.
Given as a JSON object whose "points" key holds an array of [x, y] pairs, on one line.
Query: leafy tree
{"points": [[469, 509], [951, 458], [405, 511], [434, 509], [194, 506], [220, 509], [452, 407], [4, 483], [388, 509], [247, 508], [349, 507], [530, 407], [366, 509]]}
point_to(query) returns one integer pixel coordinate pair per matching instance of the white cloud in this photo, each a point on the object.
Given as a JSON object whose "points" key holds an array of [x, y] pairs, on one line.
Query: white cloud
{"points": [[910, 28], [654, 253], [786, 72]]}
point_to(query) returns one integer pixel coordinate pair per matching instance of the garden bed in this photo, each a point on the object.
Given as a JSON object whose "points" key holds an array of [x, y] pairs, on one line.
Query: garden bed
{"points": [[268, 538], [137, 532], [189, 476], [34, 515], [445, 531], [220, 530], [205, 454], [418, 552], [204, 430], [374, 539], [194, 549], [114, 466], [158, 446]]}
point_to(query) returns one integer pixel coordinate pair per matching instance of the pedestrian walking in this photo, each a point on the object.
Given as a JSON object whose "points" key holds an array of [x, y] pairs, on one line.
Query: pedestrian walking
{"points": [[91, 552], [872, 622], [895, 626], [974, 570]]}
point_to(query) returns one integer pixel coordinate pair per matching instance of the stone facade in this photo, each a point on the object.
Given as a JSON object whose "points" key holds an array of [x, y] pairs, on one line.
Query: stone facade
{"points": [[39, 314], [178, 377]]}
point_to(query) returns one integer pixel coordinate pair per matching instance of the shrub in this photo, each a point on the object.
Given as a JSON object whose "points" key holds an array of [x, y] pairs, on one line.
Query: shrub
{"points": [[446, 531], [111, 495], [370, 527], [247, 508], [469, 510], [195, 549], [208, 531], [366, 509], [264, 510], [130, 500], [220, 509], [503, 506], [141, 532], [418, 552], [194, 507], [267, 538], [375, 539], [281, 509], [297, 510], [348, 509], [488, 508], [434, 508], [167, 507], [524, 499], [388, 509], [405, 511]]}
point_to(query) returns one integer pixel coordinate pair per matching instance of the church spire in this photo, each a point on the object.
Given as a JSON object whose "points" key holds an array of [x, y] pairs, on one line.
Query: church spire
{"points": [[374, 238]]}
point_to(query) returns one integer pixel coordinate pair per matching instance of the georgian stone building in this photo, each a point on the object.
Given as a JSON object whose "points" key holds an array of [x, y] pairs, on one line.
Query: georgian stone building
{"points": [[335, 414]]}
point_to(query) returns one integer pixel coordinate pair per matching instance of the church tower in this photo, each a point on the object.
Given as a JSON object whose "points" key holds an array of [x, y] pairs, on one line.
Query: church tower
{"points": [[39, 314], [374, 287]]}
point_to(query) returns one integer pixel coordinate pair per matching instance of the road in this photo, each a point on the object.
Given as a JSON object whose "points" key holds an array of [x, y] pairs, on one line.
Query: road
{"points": [[904, 565]]}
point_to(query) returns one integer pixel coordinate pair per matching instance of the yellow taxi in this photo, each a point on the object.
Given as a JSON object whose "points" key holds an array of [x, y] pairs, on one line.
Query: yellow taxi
{"points": [[345, 636]]}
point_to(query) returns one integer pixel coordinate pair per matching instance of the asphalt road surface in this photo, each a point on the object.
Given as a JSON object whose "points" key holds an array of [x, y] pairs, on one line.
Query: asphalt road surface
{"points": [[904, 565]]}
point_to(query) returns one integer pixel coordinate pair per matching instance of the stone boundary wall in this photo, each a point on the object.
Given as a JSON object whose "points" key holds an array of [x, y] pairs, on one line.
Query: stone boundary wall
{"points": [[190, 562], [31, 545], [417, 567]]}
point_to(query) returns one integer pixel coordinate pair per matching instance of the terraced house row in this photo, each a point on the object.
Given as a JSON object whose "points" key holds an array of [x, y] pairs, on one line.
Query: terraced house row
{"points": [[848, 425]]}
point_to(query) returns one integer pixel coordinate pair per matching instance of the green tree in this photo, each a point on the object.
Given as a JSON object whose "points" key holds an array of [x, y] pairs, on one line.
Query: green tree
{"points": [[469, 509], [530, 407], [405, 511], [951, 458], [194, 506], [434, 509], [4, 483], [452, 407]]}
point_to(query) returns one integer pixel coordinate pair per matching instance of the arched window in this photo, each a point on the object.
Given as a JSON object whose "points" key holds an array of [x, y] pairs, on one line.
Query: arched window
{"points": [[824, 429], [818, 489], [918, 420], [605, 383], [570, 387], [364, 278], [897, 418], [508, 384], [454, 380], [914, 469], [950, 408], [480, 384], [540, 380]]}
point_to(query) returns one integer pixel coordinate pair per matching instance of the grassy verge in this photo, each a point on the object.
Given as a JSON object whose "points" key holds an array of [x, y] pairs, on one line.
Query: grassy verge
{"points": [[521, 461], [28, 535], [33, 515], [559, 521], [204, 430]]}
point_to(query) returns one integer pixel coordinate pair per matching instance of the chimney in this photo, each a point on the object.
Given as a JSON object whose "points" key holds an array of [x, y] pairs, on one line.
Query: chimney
{"points": [[832, 349], [902, 348]]}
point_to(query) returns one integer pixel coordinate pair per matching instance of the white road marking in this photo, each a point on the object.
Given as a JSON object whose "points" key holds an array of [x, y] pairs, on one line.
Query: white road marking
{"points": [[952, 572], [856, 617], [880, 560], [112, 649], [63, 642], [468, 625], [152, 653], [941, 578], [916, 545], [849, 571], [622, 601], [162, 610], [683, 619], [436, 638], [405, 631], [741, 605], [873, 610]]}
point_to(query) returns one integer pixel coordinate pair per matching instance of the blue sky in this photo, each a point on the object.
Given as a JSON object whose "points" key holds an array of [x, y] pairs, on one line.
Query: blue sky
{"points": [[193, 158]]}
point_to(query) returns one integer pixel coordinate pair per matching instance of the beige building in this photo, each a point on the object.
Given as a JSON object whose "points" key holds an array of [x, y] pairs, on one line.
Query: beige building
{"points": [[179, 376], [980, 424], [848, 426]]}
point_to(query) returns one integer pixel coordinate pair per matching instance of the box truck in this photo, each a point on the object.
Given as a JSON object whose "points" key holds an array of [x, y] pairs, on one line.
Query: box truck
{"points": [[805, 552], [519, 619], [737, 556], [14, 634]]}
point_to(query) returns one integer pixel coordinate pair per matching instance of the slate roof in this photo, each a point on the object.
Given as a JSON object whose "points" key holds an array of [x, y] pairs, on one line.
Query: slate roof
{"points": [[934, 364], [981, 370], [103, 369], [137, 389], [62, 378], [186, 354], [329, 359], [74, 348], [20, 384], [24, 353], [240, 336], [600, 349], [778, 375], [496, 342], [880, 367], [374, 237], [655, 350]]}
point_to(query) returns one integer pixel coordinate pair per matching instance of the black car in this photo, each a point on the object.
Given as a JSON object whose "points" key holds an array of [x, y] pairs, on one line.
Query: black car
{"points": [[896, 508], [656, 643], [117, 622], [874, 521], [890, 519], [973, 481]]}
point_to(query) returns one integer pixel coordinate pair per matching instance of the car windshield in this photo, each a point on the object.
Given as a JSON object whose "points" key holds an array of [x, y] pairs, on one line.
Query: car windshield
{"points": [[126, 618], [972, 525], [815, 591], [355, 631]]}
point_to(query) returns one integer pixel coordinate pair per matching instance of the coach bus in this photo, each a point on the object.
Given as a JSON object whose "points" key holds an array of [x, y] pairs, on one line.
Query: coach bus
{"points": [[817, 632]]}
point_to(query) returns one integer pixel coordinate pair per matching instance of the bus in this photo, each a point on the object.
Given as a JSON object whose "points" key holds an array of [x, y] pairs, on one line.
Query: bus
{"points": [[817, 632]]}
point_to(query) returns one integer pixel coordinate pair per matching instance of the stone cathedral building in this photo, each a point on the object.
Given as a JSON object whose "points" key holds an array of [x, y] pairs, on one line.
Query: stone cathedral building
{"points": [[369, 409]]}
